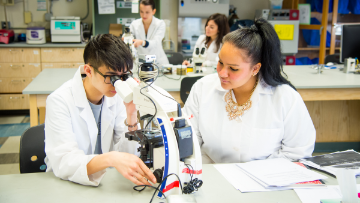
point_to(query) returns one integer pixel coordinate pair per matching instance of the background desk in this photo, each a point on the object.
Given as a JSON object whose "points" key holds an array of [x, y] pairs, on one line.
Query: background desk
{"points": [[45, 187], [51, 79], [332, 99]]}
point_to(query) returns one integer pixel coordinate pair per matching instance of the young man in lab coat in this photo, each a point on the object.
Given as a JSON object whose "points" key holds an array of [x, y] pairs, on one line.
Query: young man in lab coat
{"points": [[86, 120]]}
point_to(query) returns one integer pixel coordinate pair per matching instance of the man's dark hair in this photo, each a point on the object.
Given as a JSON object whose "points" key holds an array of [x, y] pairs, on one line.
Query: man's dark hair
{"points": [[108, 50], [148, 3]]}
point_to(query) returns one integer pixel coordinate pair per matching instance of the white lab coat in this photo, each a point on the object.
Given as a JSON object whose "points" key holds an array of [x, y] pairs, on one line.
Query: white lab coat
{"points": [[155, 35], [212, 56], [277, 125], [71, 132]]}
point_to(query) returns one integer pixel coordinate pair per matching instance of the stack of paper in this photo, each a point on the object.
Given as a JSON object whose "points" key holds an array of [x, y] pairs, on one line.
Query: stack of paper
{"points": [[268, 175], [332, 162], [278, 172]]}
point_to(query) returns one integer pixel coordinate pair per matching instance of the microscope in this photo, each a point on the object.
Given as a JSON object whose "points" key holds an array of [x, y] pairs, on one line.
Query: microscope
{"points": [[128, 40], [198, 59], [168, 142]]}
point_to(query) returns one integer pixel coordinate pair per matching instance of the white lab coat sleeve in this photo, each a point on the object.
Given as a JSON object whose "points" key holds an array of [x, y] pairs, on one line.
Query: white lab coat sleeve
{"points": [[192, 107], [299, 132], [68, 162], [132, 30], [158, 36], [121, 143], [212, 63]]}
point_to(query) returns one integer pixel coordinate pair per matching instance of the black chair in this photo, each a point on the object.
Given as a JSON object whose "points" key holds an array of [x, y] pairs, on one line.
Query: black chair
{"points": [[175, 58], [185, 87], [333, 58], [32, 150]]}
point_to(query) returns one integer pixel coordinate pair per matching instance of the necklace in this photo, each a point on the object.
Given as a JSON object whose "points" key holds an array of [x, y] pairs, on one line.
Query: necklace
{"points": [[235, 110]]}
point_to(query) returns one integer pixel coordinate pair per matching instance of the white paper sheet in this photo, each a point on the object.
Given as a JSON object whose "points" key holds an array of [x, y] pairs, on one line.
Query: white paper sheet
{"points": [[135, 7], [106, 6], [240, 180], [41, 5], [279, 172], [315, 195]]}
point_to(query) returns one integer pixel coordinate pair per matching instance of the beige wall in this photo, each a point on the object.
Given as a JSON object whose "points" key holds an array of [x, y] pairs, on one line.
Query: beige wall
{"points": [[15, 14], [170, 11], [246, 8]]}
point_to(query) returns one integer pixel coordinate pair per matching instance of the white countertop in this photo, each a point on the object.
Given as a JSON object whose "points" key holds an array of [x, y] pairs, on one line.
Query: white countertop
{"points": [[302, 77], [52, 78], [45, 187]]}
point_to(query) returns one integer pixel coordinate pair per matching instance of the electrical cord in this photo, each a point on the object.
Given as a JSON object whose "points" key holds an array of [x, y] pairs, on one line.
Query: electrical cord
{"points": [[157, 188], [194, 184], [147, 76], [148, 85]]}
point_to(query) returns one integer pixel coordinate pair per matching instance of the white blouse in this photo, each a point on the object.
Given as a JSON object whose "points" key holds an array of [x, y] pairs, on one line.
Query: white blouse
{"points": [[278, 123], [211, 53]]}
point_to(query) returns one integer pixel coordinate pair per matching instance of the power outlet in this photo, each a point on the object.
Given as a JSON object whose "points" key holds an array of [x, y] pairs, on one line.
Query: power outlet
{"points": [[3, 25]]}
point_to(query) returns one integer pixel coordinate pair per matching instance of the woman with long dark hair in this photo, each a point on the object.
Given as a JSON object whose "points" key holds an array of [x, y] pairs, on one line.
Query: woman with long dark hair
{"points": [[249, 110], [216, 27]]}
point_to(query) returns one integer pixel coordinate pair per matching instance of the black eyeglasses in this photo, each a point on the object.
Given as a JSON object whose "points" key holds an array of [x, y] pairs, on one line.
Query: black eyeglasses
{"points": [[107, 78]]}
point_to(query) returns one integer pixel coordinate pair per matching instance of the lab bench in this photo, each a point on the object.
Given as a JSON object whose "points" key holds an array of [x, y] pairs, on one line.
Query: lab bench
{"points": [[40, 187], [332, 99], [20, 63]]}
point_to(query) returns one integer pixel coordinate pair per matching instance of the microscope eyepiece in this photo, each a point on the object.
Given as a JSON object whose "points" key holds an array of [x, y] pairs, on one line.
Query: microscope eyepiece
{"points": [[203, 51], [197, 51], [114, 78]]}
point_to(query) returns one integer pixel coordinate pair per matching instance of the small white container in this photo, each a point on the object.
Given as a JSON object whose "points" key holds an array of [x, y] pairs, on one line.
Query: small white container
{"points": [[35, 35]]}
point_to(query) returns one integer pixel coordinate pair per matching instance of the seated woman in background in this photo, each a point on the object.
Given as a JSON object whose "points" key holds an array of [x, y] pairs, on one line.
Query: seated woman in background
{"points": [[216, 28], [248, 110]]}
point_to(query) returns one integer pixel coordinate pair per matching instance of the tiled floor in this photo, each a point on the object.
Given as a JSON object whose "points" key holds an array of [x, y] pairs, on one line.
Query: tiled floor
{"points": [[11, 128]]}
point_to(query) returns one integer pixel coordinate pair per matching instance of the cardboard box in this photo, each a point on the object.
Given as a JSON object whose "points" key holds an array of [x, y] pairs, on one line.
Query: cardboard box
{"points": [[115, 29]]}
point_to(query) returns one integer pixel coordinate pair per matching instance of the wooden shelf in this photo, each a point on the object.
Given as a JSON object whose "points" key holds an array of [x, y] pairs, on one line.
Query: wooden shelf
{"points": [[314, 48], [310, 27]]}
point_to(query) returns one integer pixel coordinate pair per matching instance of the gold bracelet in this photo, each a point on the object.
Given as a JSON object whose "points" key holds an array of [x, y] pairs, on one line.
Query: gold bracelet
{"points": [[131, 126]]}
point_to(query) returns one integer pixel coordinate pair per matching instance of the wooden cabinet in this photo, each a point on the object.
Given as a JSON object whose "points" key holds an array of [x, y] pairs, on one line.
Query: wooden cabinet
{"points": [[61, 55], [20, 55], [14, 101], [61, 65], [14, 85], [10, 70], [19, 66]]}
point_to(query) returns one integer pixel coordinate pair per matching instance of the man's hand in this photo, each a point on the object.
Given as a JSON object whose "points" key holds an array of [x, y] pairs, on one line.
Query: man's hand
{"points": [[137, 42], [132, 168], [186, 63]]}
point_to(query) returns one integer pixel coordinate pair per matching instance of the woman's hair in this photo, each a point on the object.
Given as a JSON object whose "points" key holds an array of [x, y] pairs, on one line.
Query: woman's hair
{"points": [[262, 45], [148, 3], [108, 50], [223, 28]]}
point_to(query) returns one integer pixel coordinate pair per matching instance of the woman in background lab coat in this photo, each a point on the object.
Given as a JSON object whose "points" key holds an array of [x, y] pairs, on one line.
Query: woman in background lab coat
{"points": [[149, 32], [216, 27], [248, 110]]}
